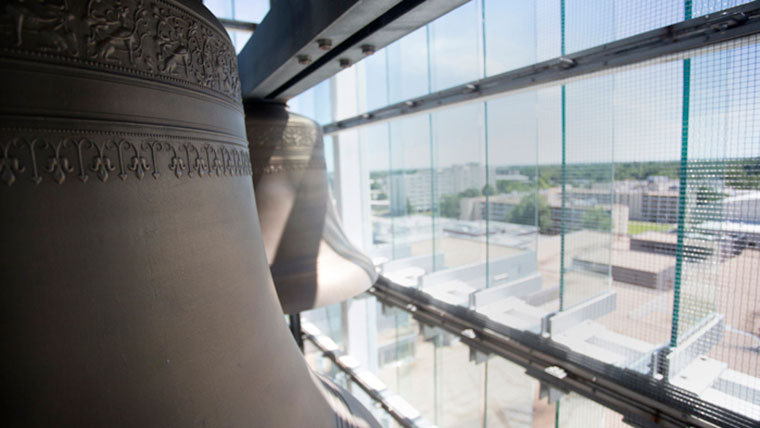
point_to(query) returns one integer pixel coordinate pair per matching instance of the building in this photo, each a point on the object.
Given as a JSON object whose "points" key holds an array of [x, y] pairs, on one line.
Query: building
{"points": [[412, 188]]}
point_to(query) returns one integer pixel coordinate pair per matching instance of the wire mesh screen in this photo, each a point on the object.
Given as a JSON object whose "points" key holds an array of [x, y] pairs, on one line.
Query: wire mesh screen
{"points": [[717, 309], [616, 214]]}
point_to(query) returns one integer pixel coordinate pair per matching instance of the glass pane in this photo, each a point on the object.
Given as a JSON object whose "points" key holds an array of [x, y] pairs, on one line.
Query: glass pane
{"points": [[377, 147], [373, 81], [718, 302], [549, 245], [512, 175], [647, 115], [461, 385], [577, 411], [251, 10], [586, 220], [459, 176], [512, 398], [703, 7], [241, 10], [314, 103], [590, 23], [510, 35], [456, 48], [329, 320], [413, 373], [411, 187], [408, 67]]}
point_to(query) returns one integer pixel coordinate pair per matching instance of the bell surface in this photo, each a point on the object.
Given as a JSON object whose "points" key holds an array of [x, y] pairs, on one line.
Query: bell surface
{"points": [[313, 263], [135, 286]]}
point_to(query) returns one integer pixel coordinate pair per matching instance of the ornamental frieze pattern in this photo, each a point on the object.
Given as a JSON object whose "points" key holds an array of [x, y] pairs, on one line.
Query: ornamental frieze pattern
{"points": [[286, 137], [61, 159], [290, 165], [151, 38]]}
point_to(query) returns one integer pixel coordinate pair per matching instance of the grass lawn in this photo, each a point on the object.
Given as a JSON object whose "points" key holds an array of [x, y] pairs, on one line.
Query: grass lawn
{"points": [[636, 227]]}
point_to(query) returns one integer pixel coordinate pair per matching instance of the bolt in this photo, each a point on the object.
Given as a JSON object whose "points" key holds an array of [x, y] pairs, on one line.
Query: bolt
{"points": [[368, 50], [324, 44], [566, 62], [344, 63], [471, 87], [410, 103], [555, 371], [304, 59], [469, 333]]}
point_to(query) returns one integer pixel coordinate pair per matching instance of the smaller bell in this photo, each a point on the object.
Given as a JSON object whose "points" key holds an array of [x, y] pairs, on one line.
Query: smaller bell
{"points": [[312, 261]]}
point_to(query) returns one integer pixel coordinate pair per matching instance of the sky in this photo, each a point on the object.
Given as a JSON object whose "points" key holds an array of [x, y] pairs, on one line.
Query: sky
{"points": [[634, 114]]}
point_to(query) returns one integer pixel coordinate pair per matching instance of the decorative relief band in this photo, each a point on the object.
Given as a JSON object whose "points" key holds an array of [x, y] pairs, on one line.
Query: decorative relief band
{"points": [[153, 38], [288, 136], [288, 166], [58, 159]]}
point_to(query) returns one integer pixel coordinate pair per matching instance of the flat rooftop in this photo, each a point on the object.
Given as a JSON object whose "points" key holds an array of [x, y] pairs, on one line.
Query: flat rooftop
{"points": [[655, 236], [628, 259], [462, 251]]}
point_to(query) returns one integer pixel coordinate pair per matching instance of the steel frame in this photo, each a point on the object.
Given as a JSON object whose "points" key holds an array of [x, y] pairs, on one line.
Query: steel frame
{"points": [[729, 24], [643, 401]]}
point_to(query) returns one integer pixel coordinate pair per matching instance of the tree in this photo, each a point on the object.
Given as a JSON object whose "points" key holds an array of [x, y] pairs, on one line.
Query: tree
{"points": [[509, 186], [525, 213], [707, 195], [488, 190], [409, 207], [597, 218], [469, 193], [450, 206]]}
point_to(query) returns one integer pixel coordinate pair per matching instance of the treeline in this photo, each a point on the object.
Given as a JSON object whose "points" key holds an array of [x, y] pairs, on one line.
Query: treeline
{"points": [[738, 173]]}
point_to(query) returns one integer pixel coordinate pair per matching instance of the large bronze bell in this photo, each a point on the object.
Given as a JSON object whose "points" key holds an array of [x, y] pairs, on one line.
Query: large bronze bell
{"points": [[313, 263], [135, 288]]}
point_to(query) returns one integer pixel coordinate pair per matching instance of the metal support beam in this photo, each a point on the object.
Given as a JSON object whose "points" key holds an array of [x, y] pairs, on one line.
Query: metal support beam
{"points": [[733, 23], [295, 329], [233, 24], [638, 398], [300, 43], [405, 415]]}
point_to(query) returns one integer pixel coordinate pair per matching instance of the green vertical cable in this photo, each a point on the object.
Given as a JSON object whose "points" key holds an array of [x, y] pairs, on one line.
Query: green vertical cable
{"points": [[437, 357], [488, 222], [564, 172], [433, 186], [390, 154], [390, 188], [485, 136], [682, 189], [397, 313], [485, 394], [564, 179], [433, 172], [437, 360]]}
